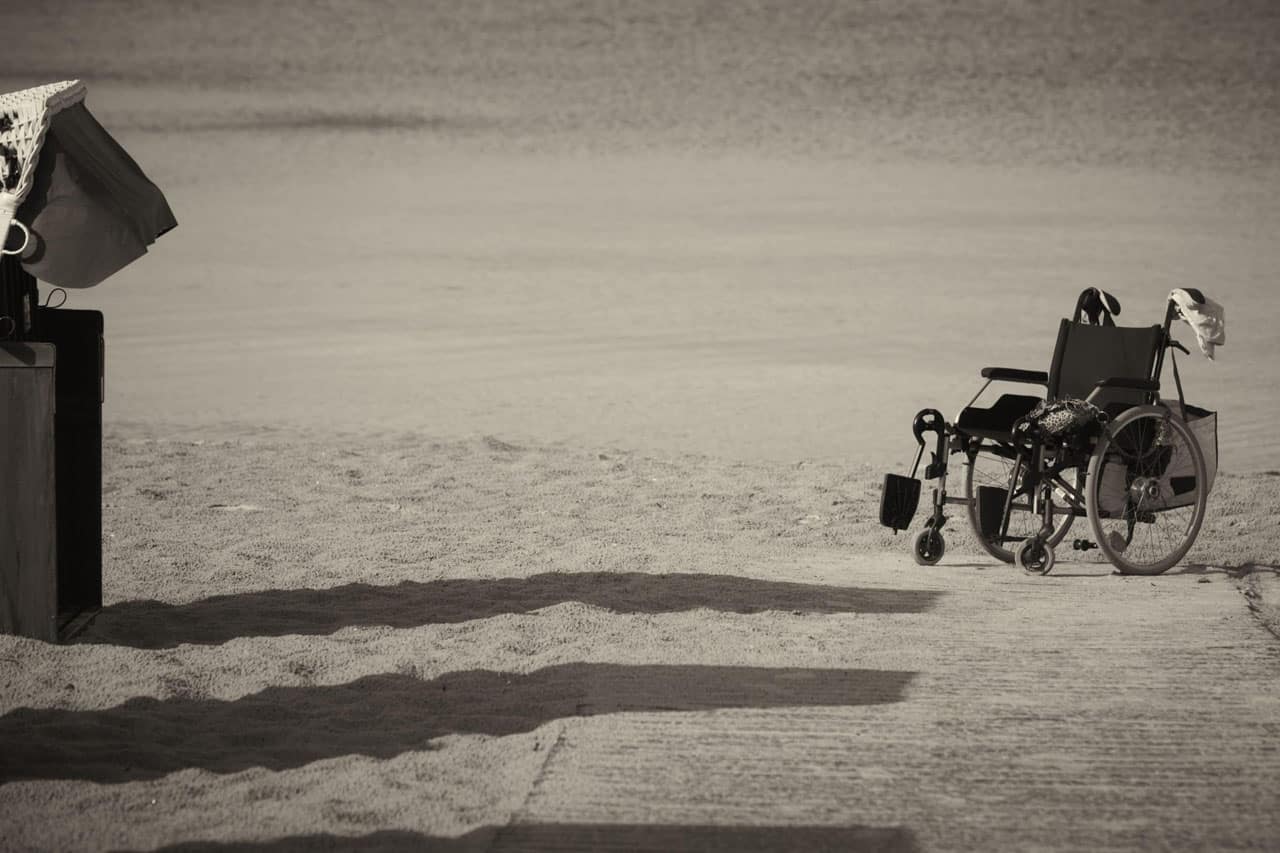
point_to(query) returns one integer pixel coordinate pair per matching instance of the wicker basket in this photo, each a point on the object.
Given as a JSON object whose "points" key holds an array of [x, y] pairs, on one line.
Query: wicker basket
{"points": [[24, 120]]}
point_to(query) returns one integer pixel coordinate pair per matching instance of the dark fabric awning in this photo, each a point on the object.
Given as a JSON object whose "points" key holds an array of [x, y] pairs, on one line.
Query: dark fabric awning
{"points": [[91, 209]]}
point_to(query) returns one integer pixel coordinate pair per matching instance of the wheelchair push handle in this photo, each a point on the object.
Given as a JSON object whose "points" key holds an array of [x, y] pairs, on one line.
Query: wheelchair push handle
{"points": [[1098, 306]]}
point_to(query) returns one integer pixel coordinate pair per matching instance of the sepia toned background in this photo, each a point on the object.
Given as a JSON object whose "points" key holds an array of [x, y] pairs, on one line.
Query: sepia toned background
{"points": [[493, 453], [758, 230]]}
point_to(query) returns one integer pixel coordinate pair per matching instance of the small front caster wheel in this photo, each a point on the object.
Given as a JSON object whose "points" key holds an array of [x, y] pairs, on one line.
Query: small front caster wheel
{"points": [[928, 547], [1034, 556]]}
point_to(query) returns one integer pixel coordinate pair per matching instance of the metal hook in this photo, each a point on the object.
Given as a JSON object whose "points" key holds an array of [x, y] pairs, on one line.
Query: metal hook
{"points": [[48, 300], [26, 239]]}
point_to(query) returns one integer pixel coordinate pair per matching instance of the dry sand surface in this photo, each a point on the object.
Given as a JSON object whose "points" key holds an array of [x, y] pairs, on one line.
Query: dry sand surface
{"points": [[742, 306], [493, 451], [386, 642]]}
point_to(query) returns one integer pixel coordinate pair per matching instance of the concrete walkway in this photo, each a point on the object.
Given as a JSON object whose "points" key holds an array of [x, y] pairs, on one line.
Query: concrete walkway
{"points": [[1080, 711]]}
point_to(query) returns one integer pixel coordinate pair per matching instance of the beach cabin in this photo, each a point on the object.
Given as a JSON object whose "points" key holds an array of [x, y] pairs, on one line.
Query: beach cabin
{"points": [[75, 209]]}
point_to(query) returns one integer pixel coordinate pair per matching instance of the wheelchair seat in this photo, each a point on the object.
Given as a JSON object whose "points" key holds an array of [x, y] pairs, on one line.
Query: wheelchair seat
{"points": [[996, 423]]}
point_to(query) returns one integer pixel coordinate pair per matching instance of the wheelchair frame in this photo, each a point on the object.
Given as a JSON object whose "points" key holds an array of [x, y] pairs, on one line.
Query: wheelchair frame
{"points": [[1037, 477]]}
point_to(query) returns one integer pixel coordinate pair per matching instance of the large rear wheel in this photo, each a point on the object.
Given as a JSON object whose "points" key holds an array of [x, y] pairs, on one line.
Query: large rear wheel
{"points": [[1147, 491]]}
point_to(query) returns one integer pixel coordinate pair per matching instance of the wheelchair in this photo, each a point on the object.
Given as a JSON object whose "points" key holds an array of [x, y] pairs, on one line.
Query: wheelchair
{"points": [[1098, 442]]}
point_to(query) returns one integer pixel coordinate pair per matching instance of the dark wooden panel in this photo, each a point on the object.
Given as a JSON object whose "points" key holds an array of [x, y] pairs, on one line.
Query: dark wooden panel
{"points": [[18, 297], [78, 442], [28, 501]]}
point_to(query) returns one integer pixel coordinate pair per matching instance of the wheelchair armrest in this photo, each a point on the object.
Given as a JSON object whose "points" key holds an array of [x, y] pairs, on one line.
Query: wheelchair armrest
{"points": [[1009, 374], [1130, 382], [1127, 382]]}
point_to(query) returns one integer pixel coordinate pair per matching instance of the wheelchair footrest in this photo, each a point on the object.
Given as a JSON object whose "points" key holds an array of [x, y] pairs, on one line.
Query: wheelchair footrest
{"points": [[991, 502], [898, 501]]}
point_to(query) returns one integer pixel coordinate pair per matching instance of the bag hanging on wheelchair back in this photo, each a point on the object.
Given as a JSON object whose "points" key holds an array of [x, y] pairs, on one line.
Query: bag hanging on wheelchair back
{"points": [[1204, 426], [1177, 480]]}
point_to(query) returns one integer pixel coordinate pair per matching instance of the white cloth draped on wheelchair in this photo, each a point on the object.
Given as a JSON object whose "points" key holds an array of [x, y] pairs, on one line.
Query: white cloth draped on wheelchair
{"points": [[1205, 317]]}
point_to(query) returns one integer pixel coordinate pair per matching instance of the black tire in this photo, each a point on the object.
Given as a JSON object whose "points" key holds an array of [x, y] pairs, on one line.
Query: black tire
{"points": [[1033, 556], [1145, 516], [928, 547], [988, 469]]}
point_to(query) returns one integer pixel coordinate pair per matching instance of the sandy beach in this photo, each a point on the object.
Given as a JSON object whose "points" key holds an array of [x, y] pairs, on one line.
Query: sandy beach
{"points": [[476, 645], [493, 451]]}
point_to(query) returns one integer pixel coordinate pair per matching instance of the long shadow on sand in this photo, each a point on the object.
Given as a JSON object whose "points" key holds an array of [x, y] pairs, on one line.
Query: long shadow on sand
{"points": [[277, 612], [382, 716], [659, 838], [1236, 571]]}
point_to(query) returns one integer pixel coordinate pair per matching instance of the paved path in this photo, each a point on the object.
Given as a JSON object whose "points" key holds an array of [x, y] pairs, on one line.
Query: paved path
{"points": [[1082, 711]]}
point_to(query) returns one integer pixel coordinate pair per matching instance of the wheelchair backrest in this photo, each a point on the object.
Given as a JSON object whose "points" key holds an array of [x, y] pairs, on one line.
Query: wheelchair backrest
{"points": [[1086, 354]]}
